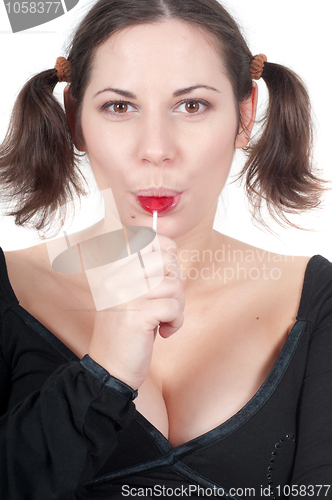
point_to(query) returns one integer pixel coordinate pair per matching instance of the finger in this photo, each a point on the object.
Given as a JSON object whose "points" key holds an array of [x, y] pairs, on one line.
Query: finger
{"points": [[168, 288], [165, 310], [160, 242], [168, 329], [159, 264]]}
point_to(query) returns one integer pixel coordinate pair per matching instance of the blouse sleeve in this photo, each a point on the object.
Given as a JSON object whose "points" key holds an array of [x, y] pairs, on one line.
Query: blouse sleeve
{"points": [[61, 435], [313, 461]]}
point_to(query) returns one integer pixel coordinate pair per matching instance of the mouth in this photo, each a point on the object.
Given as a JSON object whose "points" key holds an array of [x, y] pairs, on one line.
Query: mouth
{"points": [[159, 200]]}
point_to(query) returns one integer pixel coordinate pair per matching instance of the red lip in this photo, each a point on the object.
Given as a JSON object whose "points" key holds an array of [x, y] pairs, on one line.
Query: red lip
{"points": [[157, 192], [160, 204]]}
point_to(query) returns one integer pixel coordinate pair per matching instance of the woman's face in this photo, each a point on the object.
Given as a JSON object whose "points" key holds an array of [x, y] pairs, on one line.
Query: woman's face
{"points": [[159, 112]]}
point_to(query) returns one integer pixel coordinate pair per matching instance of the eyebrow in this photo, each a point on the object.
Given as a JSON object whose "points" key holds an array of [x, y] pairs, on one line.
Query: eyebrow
{"points": [[187, 90], [177, 93], [125, 93]]}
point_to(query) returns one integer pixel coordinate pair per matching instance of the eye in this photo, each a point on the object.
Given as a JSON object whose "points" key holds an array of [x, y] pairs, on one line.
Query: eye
{"points": [[118, 107], [193, 106]]}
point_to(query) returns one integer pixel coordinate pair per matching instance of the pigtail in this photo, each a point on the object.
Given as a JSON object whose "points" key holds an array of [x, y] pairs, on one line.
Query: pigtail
{"points": [[37, 157], [279, 166]]}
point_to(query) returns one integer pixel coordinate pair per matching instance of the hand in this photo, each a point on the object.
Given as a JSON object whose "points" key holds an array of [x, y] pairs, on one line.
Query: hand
{"points": [[123, 336]]}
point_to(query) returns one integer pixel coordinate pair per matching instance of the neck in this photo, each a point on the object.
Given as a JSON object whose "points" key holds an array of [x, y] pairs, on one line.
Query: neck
{"points": [[196, 256], [197, 251]]}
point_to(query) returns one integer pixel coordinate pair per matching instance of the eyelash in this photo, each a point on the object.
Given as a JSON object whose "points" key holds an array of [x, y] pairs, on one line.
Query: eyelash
{"points": [[107, 105], [206, 105]]}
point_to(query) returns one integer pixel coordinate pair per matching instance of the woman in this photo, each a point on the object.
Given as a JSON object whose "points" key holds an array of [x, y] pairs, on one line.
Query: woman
{"points": [[228, 358]]}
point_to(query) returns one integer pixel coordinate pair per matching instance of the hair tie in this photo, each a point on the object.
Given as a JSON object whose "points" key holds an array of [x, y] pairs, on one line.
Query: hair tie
{"points": [[62, 66], [257, 66]]}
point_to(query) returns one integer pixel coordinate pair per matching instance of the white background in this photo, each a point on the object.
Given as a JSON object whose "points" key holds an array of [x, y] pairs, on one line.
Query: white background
{"points": [[295, 33]]}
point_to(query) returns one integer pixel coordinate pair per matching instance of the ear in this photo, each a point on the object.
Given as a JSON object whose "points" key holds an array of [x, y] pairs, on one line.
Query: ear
{"points": [[248, 113], [71, 111]]}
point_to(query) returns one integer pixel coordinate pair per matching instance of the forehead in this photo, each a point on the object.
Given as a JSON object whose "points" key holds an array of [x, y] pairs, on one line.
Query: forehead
{"points": [[165, 49]]}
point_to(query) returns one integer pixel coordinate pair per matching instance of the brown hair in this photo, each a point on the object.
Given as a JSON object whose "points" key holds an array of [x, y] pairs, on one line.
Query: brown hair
{"points": [[38, 160]]}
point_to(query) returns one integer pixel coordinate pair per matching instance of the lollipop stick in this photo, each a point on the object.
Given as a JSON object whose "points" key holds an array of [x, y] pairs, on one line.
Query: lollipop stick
{"points": [[154, 222]]}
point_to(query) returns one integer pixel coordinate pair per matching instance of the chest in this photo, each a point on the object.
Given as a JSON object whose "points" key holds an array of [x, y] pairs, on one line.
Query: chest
{"points": [[200, 376], [211, 367]]}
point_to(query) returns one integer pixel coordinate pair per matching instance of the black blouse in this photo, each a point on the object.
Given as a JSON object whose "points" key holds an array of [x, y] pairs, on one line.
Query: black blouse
{"points": [[69, 430]]}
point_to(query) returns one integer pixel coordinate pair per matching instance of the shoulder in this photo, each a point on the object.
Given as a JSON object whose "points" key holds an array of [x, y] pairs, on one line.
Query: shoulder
{"points": [[319, 271], [19, 270], [6, 293], [316, 300], [263, 265], [303, 281], [279, 283]]}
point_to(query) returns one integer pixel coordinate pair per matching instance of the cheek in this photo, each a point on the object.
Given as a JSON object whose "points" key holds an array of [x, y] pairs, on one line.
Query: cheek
{"points": [[218, 150], [215, 151], [105, 145], [101, 149]]}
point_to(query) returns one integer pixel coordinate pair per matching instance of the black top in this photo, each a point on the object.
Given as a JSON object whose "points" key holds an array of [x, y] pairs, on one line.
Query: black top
{"points": [[69, 430]]}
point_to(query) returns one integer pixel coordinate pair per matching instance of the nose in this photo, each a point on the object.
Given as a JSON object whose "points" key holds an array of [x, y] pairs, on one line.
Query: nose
{"points": [[156, 144]]}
